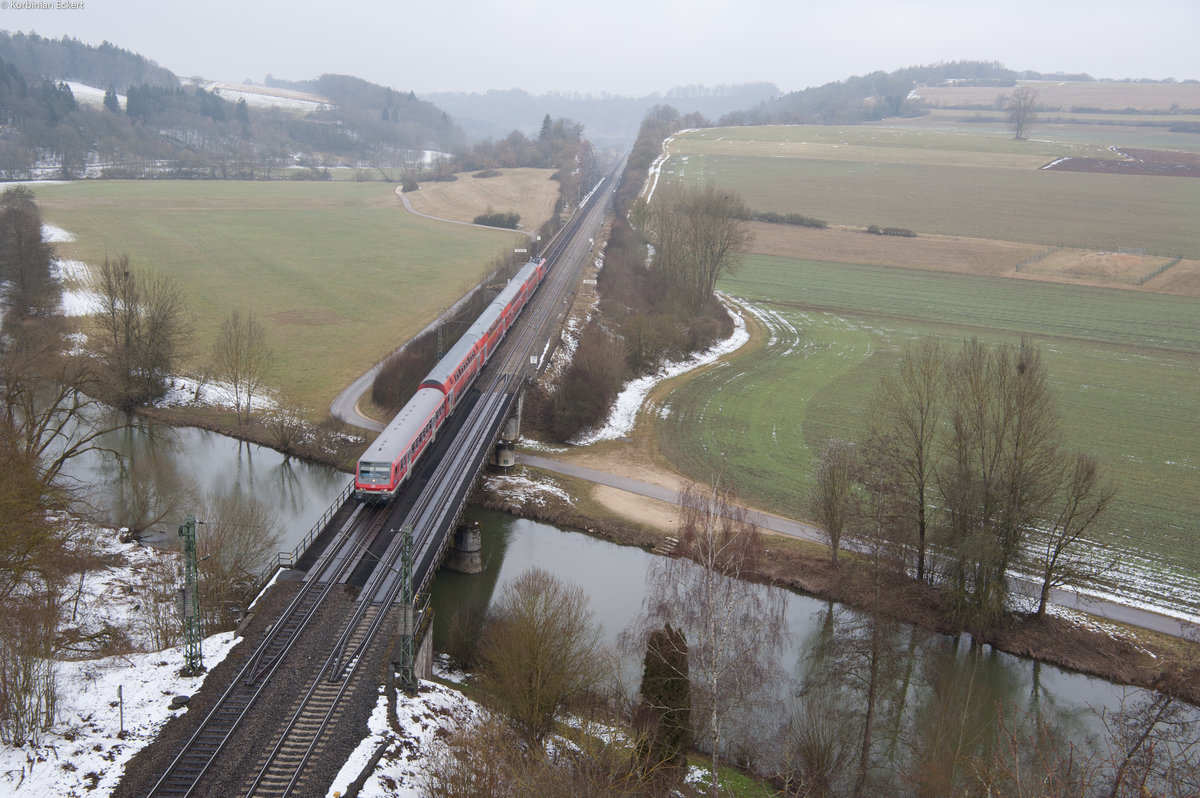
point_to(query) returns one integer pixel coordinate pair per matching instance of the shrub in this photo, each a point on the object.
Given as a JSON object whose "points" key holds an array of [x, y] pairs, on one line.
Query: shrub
{"points": [[508, 221]]}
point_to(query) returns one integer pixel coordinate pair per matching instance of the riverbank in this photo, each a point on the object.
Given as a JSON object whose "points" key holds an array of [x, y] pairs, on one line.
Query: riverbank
{"points": [[327, 444], [1075, 641]]}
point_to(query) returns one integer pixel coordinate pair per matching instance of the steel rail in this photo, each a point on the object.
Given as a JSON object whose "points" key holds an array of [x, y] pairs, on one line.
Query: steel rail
{"points": [[197, 755]]}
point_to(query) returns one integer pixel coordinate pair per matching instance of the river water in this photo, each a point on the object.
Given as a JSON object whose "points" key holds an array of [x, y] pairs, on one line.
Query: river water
{"points": [[933, 682], [157, 457], [940, 697]]}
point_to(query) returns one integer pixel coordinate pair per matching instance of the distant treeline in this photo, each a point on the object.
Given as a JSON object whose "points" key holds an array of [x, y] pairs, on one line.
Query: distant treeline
{"points": [[70, 59], [770, 217], [880, 95]]}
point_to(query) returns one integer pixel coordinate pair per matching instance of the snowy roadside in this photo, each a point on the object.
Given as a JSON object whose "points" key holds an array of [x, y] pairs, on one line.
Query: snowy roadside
{"points": [[108, 709]]}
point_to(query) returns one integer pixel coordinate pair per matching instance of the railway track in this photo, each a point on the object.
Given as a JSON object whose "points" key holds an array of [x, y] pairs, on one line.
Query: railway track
{"points": [[314, 714]]}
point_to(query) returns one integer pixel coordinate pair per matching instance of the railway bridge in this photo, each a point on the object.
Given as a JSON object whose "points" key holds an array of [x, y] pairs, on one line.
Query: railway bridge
{"points": [[352, 600]]}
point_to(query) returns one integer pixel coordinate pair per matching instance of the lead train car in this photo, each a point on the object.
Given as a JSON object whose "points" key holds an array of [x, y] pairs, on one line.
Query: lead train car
{"points": [[386, 463]]}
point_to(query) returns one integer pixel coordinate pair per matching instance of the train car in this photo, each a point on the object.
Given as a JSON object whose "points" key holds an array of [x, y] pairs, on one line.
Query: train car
{"points": [[490, 327], [455, 372], [384, 466], [389, 460]]}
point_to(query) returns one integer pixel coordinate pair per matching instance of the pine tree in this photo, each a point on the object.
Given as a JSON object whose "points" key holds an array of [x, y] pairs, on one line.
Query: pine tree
{"points": [[666, 698]]}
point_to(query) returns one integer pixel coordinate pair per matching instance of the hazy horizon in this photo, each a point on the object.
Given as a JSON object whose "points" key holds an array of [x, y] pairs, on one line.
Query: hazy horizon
{"points": [[541, 46]]}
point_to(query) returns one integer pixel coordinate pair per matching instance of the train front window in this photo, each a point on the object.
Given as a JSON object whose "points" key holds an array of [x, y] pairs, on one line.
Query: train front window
{"points": [[376, 473]]}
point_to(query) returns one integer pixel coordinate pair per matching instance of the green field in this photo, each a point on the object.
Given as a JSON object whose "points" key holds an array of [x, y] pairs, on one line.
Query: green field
{"points": [[339, 272], [1125, 364], [1129, 396], [970, 183]]}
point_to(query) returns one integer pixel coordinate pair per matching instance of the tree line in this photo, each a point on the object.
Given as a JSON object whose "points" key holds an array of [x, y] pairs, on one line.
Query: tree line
{"points": [[652, 307], [965, 475]]}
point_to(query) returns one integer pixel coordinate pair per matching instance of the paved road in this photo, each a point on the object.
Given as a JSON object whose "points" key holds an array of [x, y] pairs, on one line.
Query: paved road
{"points": [[1105, 609]]}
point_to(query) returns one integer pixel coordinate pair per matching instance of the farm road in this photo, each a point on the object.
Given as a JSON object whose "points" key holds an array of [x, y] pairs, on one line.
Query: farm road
{"points": [[772, 523], [1103, 608]]}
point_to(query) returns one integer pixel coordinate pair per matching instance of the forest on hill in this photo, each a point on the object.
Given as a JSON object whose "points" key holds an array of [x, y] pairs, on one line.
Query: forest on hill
{"points": [[152, 124]]}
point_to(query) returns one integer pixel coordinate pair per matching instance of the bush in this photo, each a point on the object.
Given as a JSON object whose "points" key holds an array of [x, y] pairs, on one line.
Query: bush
{"points": [[770, 217], [902, 232], [508, 221]]}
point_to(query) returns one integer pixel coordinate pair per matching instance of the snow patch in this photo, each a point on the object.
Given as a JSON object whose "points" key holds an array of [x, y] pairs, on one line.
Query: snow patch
{"points": [[629, 402], [424, 722], [110, 708], [185, 392], [53, 234], [525, 491]]}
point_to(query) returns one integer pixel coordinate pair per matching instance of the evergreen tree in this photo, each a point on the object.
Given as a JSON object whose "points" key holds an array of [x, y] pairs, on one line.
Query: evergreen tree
{"points": [[31, 290], [111, 103], [666, 698]]}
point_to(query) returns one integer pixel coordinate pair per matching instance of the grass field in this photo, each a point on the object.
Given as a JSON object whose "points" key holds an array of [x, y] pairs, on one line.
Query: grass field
{"points": [[944, 182], [529, 192], [1066, 94], [1130, 396], [339, 271], [1125, 363]]}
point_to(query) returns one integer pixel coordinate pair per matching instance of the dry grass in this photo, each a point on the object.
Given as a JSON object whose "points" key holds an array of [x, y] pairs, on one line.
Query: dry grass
{"points": [[962, 255], [529, 192], [852, 245]]}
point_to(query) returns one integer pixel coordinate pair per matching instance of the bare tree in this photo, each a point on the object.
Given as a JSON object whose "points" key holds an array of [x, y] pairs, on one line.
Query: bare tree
{"points": [[237, 537], [734, 628], [241, 358], [539, 652], [906, 414], [699, 234], [144, 323], [1022, 110], [1153, 741], [46, 401], [1059, 556], [834, 505], [999, 474]]}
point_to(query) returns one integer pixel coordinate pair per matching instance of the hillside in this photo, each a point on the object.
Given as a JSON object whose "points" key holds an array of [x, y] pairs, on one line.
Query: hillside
{"points": [[961, 84], [149, 123]]}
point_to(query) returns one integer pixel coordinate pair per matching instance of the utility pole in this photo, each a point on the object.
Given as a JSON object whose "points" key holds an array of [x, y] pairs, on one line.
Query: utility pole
{"points": [[407, 665], [189, 601], [441, 324]]}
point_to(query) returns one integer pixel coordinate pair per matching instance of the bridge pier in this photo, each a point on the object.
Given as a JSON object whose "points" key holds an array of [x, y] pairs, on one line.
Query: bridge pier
{"points": [[466, 552], [504, 453]]}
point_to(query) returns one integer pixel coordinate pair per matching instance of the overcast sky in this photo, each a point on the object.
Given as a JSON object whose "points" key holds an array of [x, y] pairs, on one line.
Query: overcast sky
{"points": [[629, 47]]}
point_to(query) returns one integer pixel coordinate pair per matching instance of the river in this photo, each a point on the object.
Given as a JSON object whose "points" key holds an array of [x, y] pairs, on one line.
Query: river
{"points": [[934, 682], [940, 697], [158, 457]]}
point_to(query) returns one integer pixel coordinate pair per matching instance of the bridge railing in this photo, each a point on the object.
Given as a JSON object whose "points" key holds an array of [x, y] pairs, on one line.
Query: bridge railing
{"points": [[287, 560]]}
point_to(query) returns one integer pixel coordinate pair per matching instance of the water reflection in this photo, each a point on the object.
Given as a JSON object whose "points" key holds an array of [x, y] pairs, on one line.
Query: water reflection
{"points": [[157, 464], [936, 703]]}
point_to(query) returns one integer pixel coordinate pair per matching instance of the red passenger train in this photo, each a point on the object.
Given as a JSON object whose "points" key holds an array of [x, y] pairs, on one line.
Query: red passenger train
{"points": [[386, 463]]}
